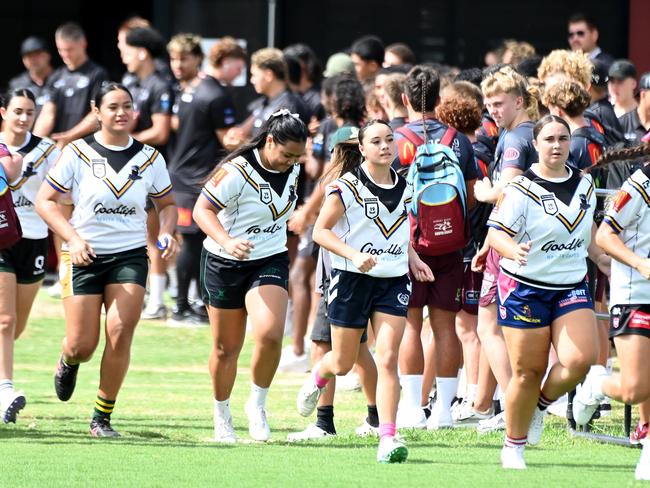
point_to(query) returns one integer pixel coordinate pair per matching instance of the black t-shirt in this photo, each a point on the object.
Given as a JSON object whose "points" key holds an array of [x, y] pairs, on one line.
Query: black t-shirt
{"points": [[262, 108], [153, 95], [40, 91], [602, 114], [201, 111], [633, 129], [72, 92], [311, 99], [587, 146]]}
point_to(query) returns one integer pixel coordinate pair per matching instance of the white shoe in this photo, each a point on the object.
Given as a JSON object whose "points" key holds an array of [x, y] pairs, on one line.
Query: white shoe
{"points": [[440, 418], [642, 471], [55, 290], [366, 430], [13, 404], [308, 397], [391, 450], [464, 414], [349, 382], [154, 312], [258, 427], [536, 427], [223, 430], [409, 417], [559, 407], [493, 424], [311, 433], [290, 363], [586, 400], [513, 458]]}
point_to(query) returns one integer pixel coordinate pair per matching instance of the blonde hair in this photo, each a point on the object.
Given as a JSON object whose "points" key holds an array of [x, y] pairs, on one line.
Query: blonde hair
{"points": [[394, 87], [507, 80], [519, 50], [186, 43], [575, 65], [568, 95], [272, 59]]}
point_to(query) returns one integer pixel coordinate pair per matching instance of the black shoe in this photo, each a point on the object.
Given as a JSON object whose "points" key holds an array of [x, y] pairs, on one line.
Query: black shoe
{"points": [[187, 318], [65, 379], [101, 427]]}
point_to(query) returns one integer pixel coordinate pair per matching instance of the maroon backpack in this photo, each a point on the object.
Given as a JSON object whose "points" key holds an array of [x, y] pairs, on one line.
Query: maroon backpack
{"points": [[10, 230]]}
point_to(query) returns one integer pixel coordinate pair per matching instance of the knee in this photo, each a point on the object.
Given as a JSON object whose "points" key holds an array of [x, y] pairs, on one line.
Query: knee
{"points": [[526, 376], [579, 365], [342, 366], [226, 352], [7, 324], [634, 391], [387, 361], [80, 352], [271, 341]]}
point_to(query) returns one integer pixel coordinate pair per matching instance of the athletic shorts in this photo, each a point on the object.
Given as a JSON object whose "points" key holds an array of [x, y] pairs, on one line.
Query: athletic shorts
{"points": [[445, 291], [106, 269], [630, 319], [528, 307], [321, 330], [307, 248], [225, 282], [26, 259], [353, 297], [471, 290], [488, 294]]}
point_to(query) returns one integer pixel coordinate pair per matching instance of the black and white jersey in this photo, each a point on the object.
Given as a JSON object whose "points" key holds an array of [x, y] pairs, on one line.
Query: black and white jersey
{"points": [[109, 187], [39, 156], [254, 203], [375, 222], [557, 216], [629, 216]]}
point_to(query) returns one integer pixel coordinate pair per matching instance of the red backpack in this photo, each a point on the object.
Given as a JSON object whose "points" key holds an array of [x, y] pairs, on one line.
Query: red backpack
{"points": [[10, 230]]}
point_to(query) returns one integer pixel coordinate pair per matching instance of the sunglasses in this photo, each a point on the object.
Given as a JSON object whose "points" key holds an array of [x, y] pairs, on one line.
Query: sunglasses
{"points": [[577, 34]]}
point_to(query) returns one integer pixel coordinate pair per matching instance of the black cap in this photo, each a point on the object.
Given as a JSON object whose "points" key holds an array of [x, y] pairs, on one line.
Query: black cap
{"points": [[622, 69], [644, 82], [32, 44], [600, 74]]}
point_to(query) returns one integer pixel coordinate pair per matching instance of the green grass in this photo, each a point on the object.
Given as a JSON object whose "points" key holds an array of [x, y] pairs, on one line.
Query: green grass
{"points": [[164, 413]]}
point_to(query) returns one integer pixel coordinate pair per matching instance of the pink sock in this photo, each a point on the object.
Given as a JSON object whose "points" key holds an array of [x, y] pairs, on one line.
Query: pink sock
{"points": [[319, 380], [387, 430]]}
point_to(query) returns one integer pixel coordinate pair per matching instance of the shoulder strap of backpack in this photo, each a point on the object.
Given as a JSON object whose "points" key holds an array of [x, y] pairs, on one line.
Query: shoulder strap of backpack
{"points": [[448, 137], [411, 136]]}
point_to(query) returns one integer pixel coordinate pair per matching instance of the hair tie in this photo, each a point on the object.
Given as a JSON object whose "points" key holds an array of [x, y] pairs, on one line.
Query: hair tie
{"points": [[284, 112]]}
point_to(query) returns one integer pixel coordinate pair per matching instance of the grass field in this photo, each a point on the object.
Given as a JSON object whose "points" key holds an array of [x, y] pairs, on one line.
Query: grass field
{"points": [[164, 414]]}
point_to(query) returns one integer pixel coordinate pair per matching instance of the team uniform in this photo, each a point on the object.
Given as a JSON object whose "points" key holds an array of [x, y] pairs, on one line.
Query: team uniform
{"points": [[557, 216], [26, 259], [109, 187], [262, 108], [40, 91], [629, 216], [587, 146], [254, 203], [375, 222]]}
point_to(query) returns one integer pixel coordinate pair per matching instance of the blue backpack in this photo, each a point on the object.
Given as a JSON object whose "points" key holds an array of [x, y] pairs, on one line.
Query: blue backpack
{"points": [[438, 213]]}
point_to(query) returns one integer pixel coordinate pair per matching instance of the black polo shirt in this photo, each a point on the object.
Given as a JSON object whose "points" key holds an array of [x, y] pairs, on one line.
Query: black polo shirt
{"points": [[602, 113], [262, 108], [23, 80], [633, 129], [311, 99]]}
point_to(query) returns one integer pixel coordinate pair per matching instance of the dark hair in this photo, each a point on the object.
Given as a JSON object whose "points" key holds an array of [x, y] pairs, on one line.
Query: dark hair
{"points": [[581, 17], [473, 75], [349, 100], [548, 119], [398, 68], [329, 84], [107, 88], [529, 66], [370, 123], [283, 128], [146, 38], [70, 31], [294, 69], [310, 62], [369, 48], [422, 88], [403, 52], [623, 154], [17, 92]]}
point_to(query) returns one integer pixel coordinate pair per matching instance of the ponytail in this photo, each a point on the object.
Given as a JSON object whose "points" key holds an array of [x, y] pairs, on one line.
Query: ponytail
{"points": [[614, 155]]}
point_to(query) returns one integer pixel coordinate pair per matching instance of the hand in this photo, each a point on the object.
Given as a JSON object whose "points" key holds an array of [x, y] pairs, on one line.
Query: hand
{"points": [[171, 246], [239, 248], [521, 253], [479, 259], [364, 262], [234, 137], [61, 139], [298, 221], [81, 254], [314, 124], [643, 268], [420, 270], [483, 189]]}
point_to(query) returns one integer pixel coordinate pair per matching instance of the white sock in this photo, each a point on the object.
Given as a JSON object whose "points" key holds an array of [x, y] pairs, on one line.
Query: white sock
{"points": [[471, 393], [598, 385], [222, 409], [156, 290], [411, 390], [258, 395], [446, 391], [6, 389]]}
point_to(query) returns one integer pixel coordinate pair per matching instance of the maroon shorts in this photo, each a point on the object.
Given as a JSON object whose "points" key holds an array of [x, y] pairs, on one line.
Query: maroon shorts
{"points": [[445, 291], [490, 278], [471, 290]]}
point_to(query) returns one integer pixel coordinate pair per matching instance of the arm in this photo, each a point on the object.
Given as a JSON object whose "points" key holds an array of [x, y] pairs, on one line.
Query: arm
{"points": [[158, 133], [485, 191], [45, 123], [479, 259], [306, 215], [612, 244], [419, 269], [88, 125], [12, 163], [507, 247], [598, 255], [166, 208]]}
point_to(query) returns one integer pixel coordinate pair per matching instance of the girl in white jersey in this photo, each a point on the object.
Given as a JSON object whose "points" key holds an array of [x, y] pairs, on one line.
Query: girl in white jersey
{"points": [[363, 223], [104, 259], [243, 209], [22, 266], [625, 235], [542, 228]]}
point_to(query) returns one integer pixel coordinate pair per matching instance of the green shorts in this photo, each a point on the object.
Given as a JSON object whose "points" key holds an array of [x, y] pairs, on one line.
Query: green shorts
{"points": [[26, 259], [123, 267]]}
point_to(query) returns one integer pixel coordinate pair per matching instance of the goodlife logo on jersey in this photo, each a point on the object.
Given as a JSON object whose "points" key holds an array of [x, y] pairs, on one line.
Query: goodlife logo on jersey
{"points": [[392, 250], [553, 246], [120, 210]]}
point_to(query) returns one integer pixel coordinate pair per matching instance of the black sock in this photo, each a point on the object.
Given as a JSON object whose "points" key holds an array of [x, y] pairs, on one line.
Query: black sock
{"points": [[325, 419], [103, 408], [373, 416]]}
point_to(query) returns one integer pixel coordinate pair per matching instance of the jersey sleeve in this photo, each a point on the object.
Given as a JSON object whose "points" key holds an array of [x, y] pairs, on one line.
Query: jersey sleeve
{"points": [[341, 188], [515, 152], [508, 212], [162, 99], [625, 208], [222, 112], [99, 77], [52, 157], [224, 187], [161, 184], [62, 176]]}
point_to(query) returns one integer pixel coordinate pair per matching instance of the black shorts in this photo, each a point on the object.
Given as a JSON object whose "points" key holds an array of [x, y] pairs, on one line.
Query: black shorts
{"points": [[630, 319], [225, 282], [321, 330], [26, 259], [130, 266], [353, 297]]}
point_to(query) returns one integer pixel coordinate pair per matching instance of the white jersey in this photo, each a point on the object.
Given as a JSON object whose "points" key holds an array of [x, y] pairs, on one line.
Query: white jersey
{"points": [[629, 216], [557, 216], [375, 222], [39, 156], [253, 203], [109, 187]]}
